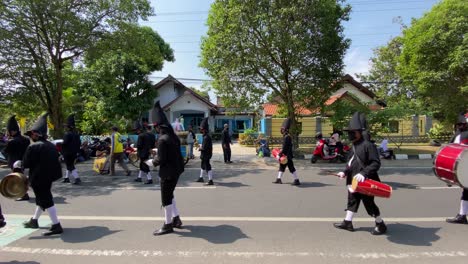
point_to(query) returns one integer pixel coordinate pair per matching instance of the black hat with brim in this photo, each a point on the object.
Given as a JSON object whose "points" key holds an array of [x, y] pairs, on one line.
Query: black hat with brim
{"points": [[355, 122], [160, 118], [40, 126], [286, 123], [204, 124], [12, 124]]}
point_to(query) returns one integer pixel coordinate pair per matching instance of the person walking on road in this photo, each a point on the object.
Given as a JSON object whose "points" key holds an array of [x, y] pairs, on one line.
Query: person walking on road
{"points": [[116, 153], [145, 144], [287, 149], [206, 150], [171, 165], [70, 148], [190, 141], [226, 144]]}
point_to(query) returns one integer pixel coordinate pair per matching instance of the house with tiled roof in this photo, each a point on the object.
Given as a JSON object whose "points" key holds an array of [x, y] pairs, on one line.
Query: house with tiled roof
{"points": [[179, 101]]}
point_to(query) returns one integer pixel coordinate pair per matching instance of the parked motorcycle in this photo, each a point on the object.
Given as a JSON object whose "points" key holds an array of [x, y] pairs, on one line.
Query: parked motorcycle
{"points": [[331, 153]]}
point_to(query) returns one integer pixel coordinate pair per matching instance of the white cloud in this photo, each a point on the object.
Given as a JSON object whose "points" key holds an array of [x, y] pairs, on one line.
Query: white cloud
{"points": [[357, 61]]}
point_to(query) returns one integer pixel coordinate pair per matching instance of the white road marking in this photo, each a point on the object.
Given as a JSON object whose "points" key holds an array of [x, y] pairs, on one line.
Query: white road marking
{"points": [[437, 187], [236, 254], [239, 218], [158, 188]]}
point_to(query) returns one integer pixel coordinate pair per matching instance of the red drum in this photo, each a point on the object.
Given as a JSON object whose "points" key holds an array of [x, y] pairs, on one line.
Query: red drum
{"points": [[283, 160], [372, 188], [451, 164]]}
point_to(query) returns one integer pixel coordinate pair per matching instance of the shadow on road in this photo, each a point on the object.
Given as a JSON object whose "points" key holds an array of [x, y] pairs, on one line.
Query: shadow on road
{"points": [[410, 235], [20, 262], [222, 234], [400, 185], [81, 235], [231, 184], [312, 185]]}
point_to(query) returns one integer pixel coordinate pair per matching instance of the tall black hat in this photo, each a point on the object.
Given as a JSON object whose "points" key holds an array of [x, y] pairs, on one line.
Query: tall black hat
{"points": [[137, 125], [12, 124], [461, 119], [286, 123], [71, 121], [355, 122], [204, 124], [161, 119], [40, 126]]}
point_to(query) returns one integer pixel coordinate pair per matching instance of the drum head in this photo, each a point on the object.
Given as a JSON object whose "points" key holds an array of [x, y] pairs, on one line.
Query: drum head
{"points": [[462, 169]]}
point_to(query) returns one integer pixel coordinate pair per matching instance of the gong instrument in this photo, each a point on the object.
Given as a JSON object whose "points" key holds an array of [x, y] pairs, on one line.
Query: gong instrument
{"points": [[14, 185]]}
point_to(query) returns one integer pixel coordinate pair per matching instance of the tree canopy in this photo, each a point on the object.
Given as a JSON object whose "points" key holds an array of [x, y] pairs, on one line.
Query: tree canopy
{"points": [[291, 49]]}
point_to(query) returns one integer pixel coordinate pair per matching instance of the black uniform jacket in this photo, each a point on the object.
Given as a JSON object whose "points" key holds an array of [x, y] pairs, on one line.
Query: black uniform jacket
{"points": [[226, 138], [71, 143], [206, 148], [368, 154], [42, 159], [171, 163], [287, 148], [15, 148], [145, 144], [463, 137]]}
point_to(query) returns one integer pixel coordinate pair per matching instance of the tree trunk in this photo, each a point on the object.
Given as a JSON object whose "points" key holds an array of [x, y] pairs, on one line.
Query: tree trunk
{"points": [[56, 107]]}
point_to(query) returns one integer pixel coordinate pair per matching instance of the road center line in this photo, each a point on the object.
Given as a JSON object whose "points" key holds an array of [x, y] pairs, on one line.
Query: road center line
{"points": [[237, 218], [237, 254]]}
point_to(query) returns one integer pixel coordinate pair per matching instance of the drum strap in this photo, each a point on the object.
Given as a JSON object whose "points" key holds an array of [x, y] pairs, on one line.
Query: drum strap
{"points": [[358, 159]]}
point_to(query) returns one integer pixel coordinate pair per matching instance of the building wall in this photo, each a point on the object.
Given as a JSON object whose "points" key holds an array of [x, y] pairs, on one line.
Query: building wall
{"points": [[356, 92], [166, 94]]}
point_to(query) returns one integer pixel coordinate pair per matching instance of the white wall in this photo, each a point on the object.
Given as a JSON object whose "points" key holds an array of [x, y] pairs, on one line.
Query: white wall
{"points": [[166, 94], [356, 92]]}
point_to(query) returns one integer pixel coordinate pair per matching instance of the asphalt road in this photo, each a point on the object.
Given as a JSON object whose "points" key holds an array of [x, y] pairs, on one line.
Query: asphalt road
{"points": [[244, 218]]}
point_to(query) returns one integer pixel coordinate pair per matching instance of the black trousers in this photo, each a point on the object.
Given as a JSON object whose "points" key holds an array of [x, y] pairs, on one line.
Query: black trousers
{"points": [[69, 161], [167, 190], [227, 152], [354, 199], [205, 164], [43, 195], [143, 166], [1, 214], [290, 166], [465, 195]]}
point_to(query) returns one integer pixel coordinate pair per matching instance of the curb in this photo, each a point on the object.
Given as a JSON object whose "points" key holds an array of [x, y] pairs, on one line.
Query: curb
{"points": [[418, 156]]}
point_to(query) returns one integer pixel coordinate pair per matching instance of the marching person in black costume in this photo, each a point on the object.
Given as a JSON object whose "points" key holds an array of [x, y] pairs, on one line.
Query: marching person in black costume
{"points": [[287, 149], [70, 148], [16, 147], [145, 144], [206, 150], [171, 165], [364, 163], [226, 144], [42, 159], [461, 137]]}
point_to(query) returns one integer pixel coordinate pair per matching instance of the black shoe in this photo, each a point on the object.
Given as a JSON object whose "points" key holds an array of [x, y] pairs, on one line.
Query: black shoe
{"points": [[3, 223], [54, 230], [128, 173], [459, 219], [32, 223], [278, 181], [138, 180], [77, 181], [165, 229], [200, 180], [296, 182], [66, 180], [210, 182], [24, 198], [346, 225], [380, 229], [176, 222], [229, 162], [149, 182]]}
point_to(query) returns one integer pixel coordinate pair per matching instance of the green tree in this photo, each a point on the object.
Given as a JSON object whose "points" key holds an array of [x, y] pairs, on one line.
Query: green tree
{"points": [[293, 49], [117, 70], [39, 37], [434, 58]]}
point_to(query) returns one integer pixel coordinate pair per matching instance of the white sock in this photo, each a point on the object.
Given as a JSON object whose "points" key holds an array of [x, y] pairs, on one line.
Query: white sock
{"points": [[295, 175], [168, 213], [74, 173], [280, 174], [175, 212], [140, 174], [53, 214], [149, 176], [349, 216], [210, 175], [201, 173], [67, 174], [37, 213], [378, 219], [463, 207]]}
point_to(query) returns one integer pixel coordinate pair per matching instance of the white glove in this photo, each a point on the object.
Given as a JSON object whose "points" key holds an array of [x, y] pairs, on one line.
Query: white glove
{"points": [[278, 158], [341, 174], [18, 164], [350, 188], [359, 177]]}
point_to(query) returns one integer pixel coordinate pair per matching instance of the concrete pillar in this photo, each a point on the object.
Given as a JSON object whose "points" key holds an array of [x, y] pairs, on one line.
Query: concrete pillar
{"points": [[415, 130], [318, 124], [428, 124]]}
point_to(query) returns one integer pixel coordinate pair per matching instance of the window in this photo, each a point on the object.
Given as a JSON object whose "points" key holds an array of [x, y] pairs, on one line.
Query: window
{"points": [[393, 126]]}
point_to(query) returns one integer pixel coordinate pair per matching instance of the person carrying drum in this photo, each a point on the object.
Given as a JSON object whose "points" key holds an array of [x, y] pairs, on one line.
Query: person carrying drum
{"points": [[363, 164], [16, 147], [206, 150], [42, 159], [70, 148], [461, 137], [287, 149], [171, 165], [145, 144]]}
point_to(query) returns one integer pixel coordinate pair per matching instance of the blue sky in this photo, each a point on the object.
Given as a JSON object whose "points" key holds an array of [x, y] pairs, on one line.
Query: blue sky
{"points": [[372, 24]]}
